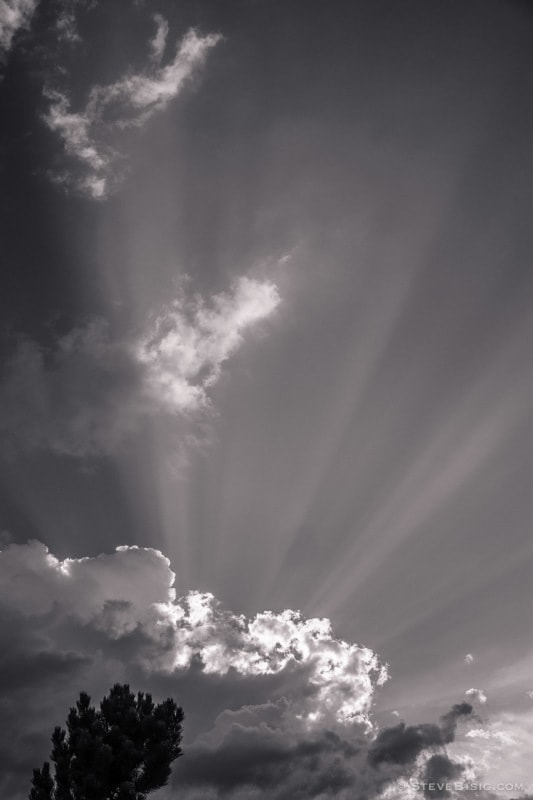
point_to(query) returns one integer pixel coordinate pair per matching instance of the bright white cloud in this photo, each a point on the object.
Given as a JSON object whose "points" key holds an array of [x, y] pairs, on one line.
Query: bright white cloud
{"points": [[14, 16], [91, 391], [179, 346], [90, 135], [469, 658], [341, 675], [477, 694]]}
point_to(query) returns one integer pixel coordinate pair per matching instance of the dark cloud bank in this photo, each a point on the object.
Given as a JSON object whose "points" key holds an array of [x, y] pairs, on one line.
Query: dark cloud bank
{"points": [[247, 755]]}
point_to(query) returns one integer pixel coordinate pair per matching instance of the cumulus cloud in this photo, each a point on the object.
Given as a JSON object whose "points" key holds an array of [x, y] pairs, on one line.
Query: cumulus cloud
{"points": [[90, 135], [340, 676], [133, 588], [15, 15], [118, 617], [477, 694], [469, 658], [89, 392]]}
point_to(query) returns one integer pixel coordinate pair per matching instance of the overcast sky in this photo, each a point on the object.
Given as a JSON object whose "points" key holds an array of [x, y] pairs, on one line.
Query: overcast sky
{"points": [[266, 310]]}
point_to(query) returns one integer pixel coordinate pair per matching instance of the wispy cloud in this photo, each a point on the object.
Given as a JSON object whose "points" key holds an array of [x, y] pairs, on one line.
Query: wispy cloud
{"points": [[159, 39], [90, 134], [90, 391], [66, 24], [15, 15]]}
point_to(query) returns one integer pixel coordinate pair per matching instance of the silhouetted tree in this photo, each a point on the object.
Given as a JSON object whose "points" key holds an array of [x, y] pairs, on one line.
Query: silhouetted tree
{"points": [[122, 751]]}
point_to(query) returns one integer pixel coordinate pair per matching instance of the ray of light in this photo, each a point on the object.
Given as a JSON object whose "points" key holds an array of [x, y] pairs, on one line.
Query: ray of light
{"points": [[471, 436]]}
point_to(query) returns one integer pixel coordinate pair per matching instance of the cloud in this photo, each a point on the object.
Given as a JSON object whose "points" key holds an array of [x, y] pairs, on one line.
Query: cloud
{"points": [[340, 676], [261, 753], [477, 694], [402, 744], [255, 753], [66, 24], [439, 771], [90, 135], [159, 39], [15, 15], [500, 749], [78, 623], [87, 393], [469, 658], [277, 706]]}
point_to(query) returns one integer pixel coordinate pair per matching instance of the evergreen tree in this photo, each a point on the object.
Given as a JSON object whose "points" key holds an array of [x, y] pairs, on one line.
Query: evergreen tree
{"points": [[122, 751]]}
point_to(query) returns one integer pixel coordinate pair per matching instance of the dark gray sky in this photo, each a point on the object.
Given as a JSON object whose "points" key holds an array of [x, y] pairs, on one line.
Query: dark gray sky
{"points": [[267, 308]]}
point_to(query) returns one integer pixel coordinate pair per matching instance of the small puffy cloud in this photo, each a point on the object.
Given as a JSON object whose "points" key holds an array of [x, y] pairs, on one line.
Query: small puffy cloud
{"points": [[89, 392], [469, 658], [477, 694], [90, 135], [529, 694], [15, 15]]}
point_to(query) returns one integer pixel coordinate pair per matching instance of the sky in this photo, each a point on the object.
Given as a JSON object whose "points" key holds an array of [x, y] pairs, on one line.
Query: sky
{"points": [[265, 387]]}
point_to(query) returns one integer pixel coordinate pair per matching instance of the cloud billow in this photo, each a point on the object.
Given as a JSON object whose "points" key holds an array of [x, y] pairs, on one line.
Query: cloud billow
{"points": [[89, 392]]}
